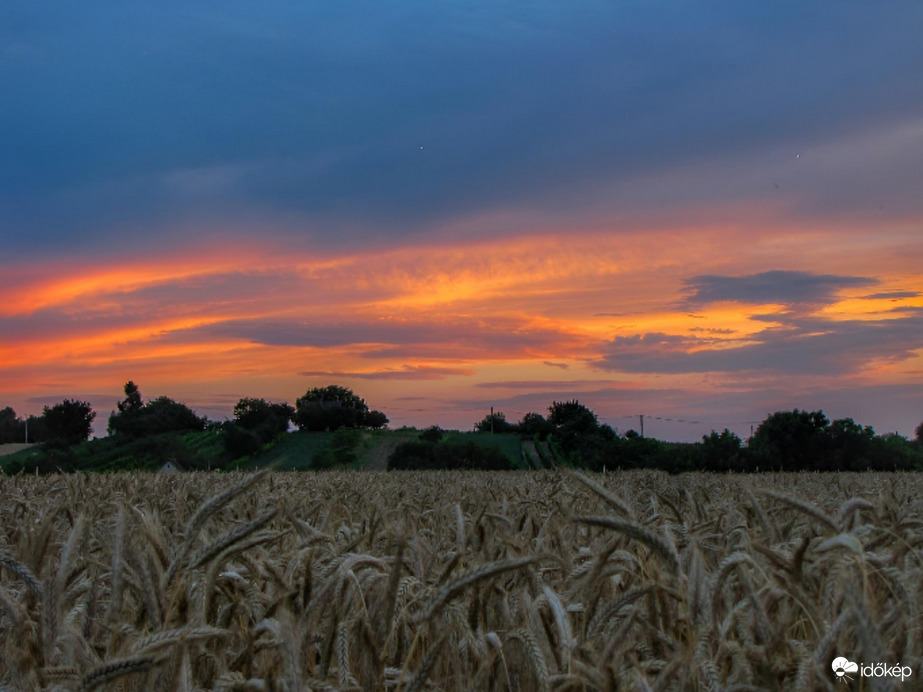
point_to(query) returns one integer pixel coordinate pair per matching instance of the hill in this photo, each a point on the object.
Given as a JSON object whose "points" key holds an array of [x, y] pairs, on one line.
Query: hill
{"points": [[204, 450]]}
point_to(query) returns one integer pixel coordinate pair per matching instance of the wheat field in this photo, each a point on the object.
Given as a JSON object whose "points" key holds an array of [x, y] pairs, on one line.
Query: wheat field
{"points": [[457, 581]]}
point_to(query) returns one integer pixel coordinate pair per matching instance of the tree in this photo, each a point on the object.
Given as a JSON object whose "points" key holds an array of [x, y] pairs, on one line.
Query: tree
{"points": [[160, 415], [132, 402], [374, 420], [266, 420], [69, 422], [334, 407], [494, 422], [11, 428], [721, 452], [130, 408], [38, 430], [571, 418], [534, 424], [791, 440], [918, 433]]}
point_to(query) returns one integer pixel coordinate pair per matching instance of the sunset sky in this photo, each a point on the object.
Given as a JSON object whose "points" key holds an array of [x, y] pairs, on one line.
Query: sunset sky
{"points": [[698, 212]]}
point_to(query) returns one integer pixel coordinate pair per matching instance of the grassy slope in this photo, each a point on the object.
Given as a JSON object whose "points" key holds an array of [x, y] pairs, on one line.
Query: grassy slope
{"points": [[296, 451], [201, 450]]}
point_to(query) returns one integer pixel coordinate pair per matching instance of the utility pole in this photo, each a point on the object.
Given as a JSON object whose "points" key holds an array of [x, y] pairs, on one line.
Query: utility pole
{"points": [[642, 425], [491, 420], [27, 430]]}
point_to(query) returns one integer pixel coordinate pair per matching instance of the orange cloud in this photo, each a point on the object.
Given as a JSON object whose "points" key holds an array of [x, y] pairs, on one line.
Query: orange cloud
{"points": [[441, 317]]}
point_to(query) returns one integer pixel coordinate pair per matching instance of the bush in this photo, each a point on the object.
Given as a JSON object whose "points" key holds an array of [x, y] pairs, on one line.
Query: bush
{"points": [[342, 450], [447, 454], [240, 442], [432, 434]]}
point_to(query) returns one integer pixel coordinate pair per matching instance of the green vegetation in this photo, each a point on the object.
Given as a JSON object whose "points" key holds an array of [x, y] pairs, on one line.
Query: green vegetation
{"points": [[454, 450], [201, 450], [337, 430]]}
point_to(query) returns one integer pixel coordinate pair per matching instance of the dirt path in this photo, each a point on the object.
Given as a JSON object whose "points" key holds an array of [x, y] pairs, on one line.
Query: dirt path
{"points": [[530, 454], [13, 447], [376, 458]]}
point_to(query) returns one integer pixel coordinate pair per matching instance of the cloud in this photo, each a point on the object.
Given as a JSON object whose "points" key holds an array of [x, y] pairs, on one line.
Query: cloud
{"points": [[405, 372], [450, 336], [544, 385], [550, 364], [892, 295], [791, 288], [367, 122], [802, 346]]}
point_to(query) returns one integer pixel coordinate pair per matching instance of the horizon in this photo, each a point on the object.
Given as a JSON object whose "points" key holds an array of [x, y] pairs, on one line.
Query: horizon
{"points": [[699, 215]]}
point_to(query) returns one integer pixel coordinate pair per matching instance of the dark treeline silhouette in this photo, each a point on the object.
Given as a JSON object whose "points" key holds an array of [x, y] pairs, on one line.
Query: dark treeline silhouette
{"points": [[145, 434], [436, 450], [142, 434], [785, 441], [65, 423]]}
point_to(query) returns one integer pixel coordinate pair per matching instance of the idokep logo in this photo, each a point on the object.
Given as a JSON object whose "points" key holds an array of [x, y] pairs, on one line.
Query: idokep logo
{"points": [[844, 669]]}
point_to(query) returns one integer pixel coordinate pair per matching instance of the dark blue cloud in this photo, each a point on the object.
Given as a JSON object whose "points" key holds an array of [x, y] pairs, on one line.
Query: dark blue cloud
{"points": [[123, 118], [783, 287], [452, 337], [807, 347]]}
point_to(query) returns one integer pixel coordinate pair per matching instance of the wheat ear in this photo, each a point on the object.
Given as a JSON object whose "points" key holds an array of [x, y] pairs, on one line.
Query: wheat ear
{"points": [[20, 570], [472, 576], [615, 502], [115, 669], [658, 544]]}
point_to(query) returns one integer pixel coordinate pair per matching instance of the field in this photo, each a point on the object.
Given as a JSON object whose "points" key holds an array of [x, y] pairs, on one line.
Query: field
{"points": [[449, 581]]}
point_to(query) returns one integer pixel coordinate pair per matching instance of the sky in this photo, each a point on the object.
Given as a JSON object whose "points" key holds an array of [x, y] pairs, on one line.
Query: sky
{"points": [[701, 213]]}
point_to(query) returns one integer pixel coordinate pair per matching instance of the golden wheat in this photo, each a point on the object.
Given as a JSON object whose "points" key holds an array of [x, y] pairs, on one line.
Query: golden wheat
{"points": [[444, 581]]}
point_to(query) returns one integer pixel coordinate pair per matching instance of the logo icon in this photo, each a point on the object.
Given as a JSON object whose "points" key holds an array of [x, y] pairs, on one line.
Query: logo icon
{"points": [[842, 666]]}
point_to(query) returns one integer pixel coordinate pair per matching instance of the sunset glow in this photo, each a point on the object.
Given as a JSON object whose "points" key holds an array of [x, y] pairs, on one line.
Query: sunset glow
{"points": [[498, 209]]}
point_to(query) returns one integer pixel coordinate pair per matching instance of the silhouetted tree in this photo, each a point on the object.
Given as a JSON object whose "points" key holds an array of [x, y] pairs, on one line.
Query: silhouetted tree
{"points": [[160, 415], [11, 428], [790, 440], [918, 433], [68, 422], [374, 420], [572, 418], [129, 409], [132, 402], [263, 418], [535, 424], [38, 430], [494, 422], [334, 407], [721, 452]]}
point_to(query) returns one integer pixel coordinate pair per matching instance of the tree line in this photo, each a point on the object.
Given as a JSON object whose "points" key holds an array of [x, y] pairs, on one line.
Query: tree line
{"points": [[65, 423], [255, 423], [785, 441]]}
